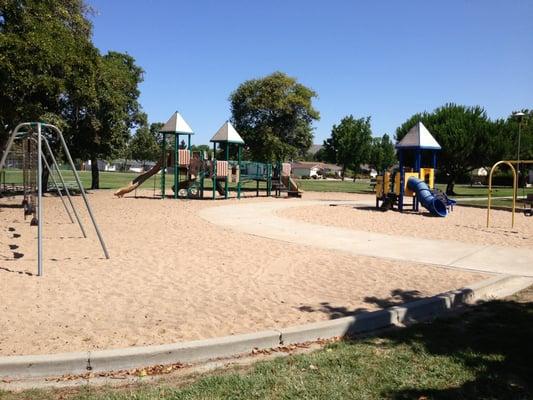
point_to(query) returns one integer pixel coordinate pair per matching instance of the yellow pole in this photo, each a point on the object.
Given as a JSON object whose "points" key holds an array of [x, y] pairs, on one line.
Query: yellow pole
{"points": [[509, 163]]}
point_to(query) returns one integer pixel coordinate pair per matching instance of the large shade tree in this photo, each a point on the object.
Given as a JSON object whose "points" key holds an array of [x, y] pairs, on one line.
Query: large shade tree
{"points": [[99, 124], [46, 59], [274, 116], [50, 70], [350, 143], [469, 139]]}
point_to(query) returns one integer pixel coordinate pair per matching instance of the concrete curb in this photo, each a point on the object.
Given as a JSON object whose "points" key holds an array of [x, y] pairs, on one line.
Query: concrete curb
{"points": [[41, 366]]}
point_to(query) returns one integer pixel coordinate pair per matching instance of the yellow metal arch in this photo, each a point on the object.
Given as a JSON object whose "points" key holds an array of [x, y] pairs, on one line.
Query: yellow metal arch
{"points": [[510, 164]]}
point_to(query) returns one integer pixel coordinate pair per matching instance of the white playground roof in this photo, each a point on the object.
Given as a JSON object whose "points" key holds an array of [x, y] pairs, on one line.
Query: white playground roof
{"points": [[176, 124], [228, 134], [418, 137]]}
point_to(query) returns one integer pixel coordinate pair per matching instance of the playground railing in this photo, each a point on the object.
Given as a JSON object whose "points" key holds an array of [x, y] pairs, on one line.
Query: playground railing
{"points": [[254, 170]]}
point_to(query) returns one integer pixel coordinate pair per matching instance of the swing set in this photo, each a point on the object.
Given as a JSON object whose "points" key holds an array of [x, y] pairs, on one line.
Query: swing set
{"points": [[34, 154]]}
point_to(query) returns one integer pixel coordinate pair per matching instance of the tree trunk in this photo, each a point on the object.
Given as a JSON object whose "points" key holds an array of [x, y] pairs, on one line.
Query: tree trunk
{"points": [[95, 173], [45, 177], [449, 187], [343, 172]]}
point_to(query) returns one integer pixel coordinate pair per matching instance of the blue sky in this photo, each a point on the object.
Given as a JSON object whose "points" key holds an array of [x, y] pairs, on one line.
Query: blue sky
{"points": [[386, 59]]}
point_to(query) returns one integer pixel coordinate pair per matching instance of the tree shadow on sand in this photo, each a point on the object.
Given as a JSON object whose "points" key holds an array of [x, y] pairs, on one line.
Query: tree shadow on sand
{"points": [[397, 297]]}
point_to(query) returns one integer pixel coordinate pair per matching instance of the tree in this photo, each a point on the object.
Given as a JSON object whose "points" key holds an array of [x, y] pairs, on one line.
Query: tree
{"points": [[203, 148], [46, 59], [50, 70], [511, 126], [103, 128], [382, 153], [155, 131], [274, 115], [143, 145], [321, 155], [350, 143], [525, 125], [467, 136]]}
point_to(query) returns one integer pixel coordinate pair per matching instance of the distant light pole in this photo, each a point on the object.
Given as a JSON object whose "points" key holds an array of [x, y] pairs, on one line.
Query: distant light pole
{"points": [[519, 115]]}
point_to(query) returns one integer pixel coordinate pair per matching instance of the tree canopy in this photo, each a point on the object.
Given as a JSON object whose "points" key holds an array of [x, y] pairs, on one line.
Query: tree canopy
{"points": [[46, 56], [350, 143], [50, 70], [523, 124], [143, 146], [469, 139], [274, 116], [382, 153]]}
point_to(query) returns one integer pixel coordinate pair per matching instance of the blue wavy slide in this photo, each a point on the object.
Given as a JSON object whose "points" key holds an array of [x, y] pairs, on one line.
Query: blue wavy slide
{"points": [[432, 203]]}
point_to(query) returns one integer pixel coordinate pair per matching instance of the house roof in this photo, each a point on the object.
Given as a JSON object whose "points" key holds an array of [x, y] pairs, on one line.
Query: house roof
{"points": [[227, 134], [418, 137], [176, 124]]}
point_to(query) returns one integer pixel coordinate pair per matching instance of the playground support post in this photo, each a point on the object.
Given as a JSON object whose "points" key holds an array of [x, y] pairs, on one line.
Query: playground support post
{"points": [[402, 179], [239, 146], [176, 166], [226, 184], [164, 165], [40, 201], [269, 179]]}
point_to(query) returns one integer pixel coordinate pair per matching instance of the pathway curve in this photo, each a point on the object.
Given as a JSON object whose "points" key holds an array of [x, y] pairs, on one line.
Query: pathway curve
{"points": [[260, 219]]}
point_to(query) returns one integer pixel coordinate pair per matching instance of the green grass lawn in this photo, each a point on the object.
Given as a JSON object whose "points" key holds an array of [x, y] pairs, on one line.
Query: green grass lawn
{"points": [[482, 191], [115, 180], [484, 353], [347, 186]]}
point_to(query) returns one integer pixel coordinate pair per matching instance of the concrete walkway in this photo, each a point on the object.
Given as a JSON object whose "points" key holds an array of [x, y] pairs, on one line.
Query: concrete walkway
{"points": [[260, 219]]}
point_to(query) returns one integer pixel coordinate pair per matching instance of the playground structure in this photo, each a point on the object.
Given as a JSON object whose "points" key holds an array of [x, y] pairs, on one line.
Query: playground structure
{"points": [[510, 164], [192, 169], [417, 182], [31, 159]]}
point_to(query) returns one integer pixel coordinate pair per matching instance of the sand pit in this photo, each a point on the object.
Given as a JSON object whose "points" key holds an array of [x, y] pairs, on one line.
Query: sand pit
{"points": [[464, 224], [174, 277]]}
